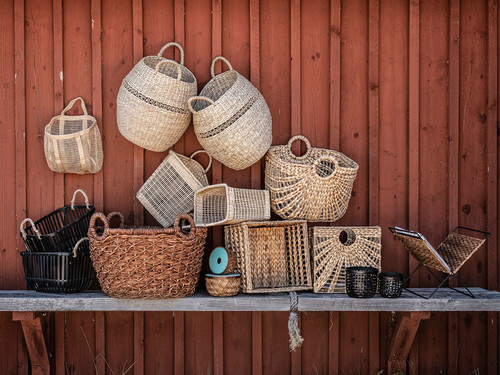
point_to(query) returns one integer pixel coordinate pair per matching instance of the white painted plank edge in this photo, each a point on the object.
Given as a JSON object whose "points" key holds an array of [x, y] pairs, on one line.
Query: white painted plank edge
{"points": [[443, 300]]}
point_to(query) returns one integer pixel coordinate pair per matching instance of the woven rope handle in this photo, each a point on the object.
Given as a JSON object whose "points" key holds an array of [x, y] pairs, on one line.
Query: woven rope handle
{"points": [[209, 158], [111, 215], [72, 103], [172, 62], [75, 249], [177, 226], [212, 67], [329, 159], [93, 219], [84, 195], [23, 232], [303, 139], [172, 44], [193, 98]]}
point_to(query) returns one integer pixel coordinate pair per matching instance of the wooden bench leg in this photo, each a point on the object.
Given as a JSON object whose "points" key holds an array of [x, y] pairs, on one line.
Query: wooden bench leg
{"points": [[402, 340], [35, 341]]}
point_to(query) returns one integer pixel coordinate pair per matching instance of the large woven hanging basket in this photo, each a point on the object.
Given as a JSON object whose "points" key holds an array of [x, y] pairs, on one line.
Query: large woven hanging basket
{"points": [[151, 107], [146, 262], [73, 144], [231, 119], [315, 186], [170, 189]]}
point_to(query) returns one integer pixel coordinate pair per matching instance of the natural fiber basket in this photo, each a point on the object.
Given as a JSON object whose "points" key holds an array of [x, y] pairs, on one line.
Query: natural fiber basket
{"points": [[146, 262], [151, 107], [361, 282], [223, 285], [60, 230], [272, 256], [231, 119], [169, 191], [336, 248], [73, 144], [220, 204], [315, 186]]}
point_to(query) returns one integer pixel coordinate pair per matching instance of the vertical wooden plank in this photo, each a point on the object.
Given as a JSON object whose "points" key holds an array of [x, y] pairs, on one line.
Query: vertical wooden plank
{"points": [[199, 342], [179, 342], [295, 66], [100, 341], [159, 343], [354, 342], [57, 19], [275, 350], [139, 342], [238, 342], [179, 33], [60, 342], [218, 337], [333, 342], [314, 328], [257, 342]]}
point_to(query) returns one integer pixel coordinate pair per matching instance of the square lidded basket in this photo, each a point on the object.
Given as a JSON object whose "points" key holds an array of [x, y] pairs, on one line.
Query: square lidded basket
{"points": [[336, 248], [273, 256]]}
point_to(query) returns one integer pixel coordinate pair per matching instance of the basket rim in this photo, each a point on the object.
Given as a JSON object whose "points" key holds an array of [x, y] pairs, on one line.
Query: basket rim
{"points": [[228, 276], [214, 79], [153, 70], [71, 135]]}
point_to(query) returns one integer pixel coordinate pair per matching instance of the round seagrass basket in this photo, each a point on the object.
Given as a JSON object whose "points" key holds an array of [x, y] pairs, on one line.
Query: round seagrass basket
{"points": [[151, 107], [231, 119], [144, 262], [223, 285], [315, 186]]}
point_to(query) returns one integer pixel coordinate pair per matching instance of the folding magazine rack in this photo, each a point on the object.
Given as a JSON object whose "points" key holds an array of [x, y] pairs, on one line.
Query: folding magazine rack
{"points": [[449, 257]]}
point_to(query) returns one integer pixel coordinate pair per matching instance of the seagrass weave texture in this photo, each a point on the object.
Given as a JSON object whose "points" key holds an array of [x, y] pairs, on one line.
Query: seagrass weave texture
{"points": [[151, 107], [223, 286], [272, 256], [231, 119], [331, 256], [169, 191], [146, 262], [221, 204], [73, 144], [315, 186]]}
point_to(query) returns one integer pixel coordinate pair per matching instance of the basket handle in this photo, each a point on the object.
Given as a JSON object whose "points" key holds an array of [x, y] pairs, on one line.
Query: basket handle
{"points": [[330, 159], [72, 103], [303, 139], [179, 71], [212, 67], [172, 44], [209, 158], [93, 219], [84, 195], [177, 227], [23, 232], [75, 249], [190, 100], [111, 215]]}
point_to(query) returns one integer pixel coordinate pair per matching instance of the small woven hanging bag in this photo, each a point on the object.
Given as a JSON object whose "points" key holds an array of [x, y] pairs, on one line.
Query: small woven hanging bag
{"points": [[314, 187], [73, 144]]}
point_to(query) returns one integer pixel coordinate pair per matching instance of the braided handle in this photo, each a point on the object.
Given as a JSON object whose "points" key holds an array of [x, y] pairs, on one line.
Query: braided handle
{"points": [[303, 139], [72, 103], [177, 227], [93, 219], [111, 215], [172, 44], [179, 71], [23, 232], [212, 67], [209, 158], [84, 195], [191, 99], [78, 244]]}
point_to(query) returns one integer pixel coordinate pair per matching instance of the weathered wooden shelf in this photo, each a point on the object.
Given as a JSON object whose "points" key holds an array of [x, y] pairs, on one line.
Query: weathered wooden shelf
{"points": [[443, 300]]}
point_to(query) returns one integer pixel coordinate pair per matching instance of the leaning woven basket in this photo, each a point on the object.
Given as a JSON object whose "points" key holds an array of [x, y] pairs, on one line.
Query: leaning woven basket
{"points": [[231, 119], [169, 191], [151, 107], [73, 144], [150, 263], [315, 186]]}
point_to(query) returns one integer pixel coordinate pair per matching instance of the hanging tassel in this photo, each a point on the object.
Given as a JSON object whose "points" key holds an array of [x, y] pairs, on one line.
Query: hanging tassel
{"points": [[296, 339]]}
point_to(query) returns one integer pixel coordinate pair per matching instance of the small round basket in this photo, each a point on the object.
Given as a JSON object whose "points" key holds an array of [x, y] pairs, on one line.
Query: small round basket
{"points": [[223, 285], [361, 282], [390, 284]]}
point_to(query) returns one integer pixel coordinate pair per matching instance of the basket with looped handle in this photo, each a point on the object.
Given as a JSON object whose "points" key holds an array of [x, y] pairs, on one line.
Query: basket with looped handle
{"points": [[151, 107], [315, 186], [146, 262], [231, 119]]}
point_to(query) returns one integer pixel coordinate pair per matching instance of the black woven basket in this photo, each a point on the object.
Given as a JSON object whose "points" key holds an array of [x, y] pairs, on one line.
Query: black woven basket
{"points": [[59, 272], [390, 284], [60, 230], [361, 282]]}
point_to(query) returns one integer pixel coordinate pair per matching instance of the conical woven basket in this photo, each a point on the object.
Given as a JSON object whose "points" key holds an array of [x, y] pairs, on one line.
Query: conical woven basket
{"points": [[151, 107], [231, 119], [170, 189], [315, 186]]}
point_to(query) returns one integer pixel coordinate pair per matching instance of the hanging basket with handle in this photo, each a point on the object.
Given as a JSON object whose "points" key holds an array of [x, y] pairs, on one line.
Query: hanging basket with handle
{"points": [[73, 144], [315, 186], [231, 119], [151, 107]]}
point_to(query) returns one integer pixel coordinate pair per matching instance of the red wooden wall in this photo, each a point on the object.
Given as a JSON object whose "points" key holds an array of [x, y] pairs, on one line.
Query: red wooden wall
{"points": [[407, 89]]}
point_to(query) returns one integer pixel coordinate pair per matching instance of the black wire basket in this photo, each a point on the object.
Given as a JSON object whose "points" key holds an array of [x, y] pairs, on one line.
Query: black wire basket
{"points": [[60, 230], [361, 282], [390, 284], [59, 272]]}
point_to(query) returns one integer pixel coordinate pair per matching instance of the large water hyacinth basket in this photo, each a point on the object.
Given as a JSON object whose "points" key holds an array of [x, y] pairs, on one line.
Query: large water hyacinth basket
{"points": [[73, 144], [221, 204], [169, 191], [146, 262], [151, 107], [272, 256], [231, 119], [314, 187], [336, 248]]}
